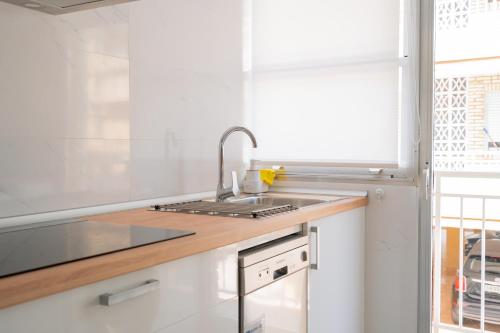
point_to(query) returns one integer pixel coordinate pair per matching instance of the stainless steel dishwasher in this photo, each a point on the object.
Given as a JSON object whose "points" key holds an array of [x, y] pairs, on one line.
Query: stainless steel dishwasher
{"points": [[273, 286]]}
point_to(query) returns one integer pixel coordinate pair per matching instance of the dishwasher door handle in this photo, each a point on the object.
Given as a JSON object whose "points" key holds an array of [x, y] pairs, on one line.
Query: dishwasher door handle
{"points": [[315, 265], [109, 299]]}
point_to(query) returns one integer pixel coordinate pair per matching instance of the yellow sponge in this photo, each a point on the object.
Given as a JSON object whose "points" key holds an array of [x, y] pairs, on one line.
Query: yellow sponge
{"points": [[267, 176]]}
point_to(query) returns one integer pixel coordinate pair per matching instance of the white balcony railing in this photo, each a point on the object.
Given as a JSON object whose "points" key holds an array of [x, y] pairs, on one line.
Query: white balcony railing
{"points": [[482, 162], [463, 201]]}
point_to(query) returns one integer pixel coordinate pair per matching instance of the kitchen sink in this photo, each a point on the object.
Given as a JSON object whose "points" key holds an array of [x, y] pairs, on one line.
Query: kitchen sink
{"points": [[252, 206], [276, 201]]}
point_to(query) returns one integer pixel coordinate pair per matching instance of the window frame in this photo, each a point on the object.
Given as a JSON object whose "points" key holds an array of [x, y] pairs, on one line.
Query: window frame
{"points": [[405, 170]]}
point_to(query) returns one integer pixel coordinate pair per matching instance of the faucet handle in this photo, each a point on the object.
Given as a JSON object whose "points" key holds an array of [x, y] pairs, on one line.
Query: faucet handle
{"points": [[235, 187]]}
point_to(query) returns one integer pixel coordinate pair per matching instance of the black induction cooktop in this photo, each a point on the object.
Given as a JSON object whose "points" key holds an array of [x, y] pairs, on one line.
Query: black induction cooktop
{"points": [[36, 247]]}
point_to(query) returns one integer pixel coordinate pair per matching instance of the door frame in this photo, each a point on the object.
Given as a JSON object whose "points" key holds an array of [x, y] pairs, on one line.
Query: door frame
{"points": [[425, 179]]}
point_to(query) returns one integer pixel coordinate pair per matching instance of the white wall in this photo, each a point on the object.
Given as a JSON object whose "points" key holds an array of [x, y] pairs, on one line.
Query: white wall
{"points": [[116, 104], [391, 280]]}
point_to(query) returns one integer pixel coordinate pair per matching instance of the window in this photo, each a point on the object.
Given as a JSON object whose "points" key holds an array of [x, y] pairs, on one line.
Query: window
{"points": [[492, 129], [493, 4], [331, 81], [481, 6]]}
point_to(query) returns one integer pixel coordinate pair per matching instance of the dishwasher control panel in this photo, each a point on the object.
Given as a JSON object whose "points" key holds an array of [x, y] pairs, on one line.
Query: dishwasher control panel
{"points": [[266, 271]]}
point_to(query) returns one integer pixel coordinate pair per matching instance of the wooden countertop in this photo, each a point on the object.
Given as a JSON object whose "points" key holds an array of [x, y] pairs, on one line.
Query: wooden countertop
{"points": [[211, 232]]}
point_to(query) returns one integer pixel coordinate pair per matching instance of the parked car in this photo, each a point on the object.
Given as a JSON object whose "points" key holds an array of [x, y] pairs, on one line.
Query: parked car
{"points": [[471, 285]]}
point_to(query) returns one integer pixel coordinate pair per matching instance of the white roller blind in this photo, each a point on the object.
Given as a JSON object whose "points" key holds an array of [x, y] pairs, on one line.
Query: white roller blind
{"points": [[324, 78]]}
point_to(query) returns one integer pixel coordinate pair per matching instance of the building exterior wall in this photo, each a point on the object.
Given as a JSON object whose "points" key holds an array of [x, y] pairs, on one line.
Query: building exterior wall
{"points": [[460, 142]]}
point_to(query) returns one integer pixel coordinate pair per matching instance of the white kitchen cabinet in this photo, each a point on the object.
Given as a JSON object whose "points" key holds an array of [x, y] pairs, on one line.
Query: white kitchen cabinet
{"points": [[223, 318], [336, 287], [194, 292]]}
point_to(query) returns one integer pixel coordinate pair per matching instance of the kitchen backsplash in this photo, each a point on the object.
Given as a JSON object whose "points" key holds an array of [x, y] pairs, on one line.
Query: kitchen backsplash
{"points": [[116, 104]]}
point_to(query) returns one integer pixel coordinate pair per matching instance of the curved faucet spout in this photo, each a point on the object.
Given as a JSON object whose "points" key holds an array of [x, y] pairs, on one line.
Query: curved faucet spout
{"points": [[231, 130], [222, 191]]}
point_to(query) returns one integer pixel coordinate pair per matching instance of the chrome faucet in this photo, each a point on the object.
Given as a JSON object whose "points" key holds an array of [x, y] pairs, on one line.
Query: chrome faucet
{"points": [[222, 191]]}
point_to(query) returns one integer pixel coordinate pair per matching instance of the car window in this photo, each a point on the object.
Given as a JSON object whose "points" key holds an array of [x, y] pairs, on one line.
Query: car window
{"points": [[492, 264], [475, 264]]}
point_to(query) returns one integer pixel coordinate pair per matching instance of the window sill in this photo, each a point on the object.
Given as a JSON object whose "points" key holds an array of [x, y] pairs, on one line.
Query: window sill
{"points": [[341, 172]]}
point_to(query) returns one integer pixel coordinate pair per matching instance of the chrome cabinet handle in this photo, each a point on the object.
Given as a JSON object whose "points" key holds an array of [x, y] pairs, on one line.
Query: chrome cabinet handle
{"points": [[109, 299], [315, 265]]}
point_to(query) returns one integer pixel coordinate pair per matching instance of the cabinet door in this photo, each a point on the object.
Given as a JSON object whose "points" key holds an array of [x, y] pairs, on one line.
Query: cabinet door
{"points": [[336, 287], [223, 318], [192, 287]]}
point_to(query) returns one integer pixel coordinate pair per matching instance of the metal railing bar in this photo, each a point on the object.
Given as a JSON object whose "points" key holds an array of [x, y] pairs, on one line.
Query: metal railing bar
{"points": [[437, 261], [467, 174], [468, 218], [483, 263], [457, 329], [461, 265], [468, 196]]}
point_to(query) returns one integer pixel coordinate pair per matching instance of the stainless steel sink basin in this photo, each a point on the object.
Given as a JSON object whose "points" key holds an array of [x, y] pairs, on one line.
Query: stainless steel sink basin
{"points": [[226, 208], [276, 201], [252, 206]]}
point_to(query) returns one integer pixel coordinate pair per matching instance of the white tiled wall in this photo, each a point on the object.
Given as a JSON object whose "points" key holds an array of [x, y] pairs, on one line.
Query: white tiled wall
{"points": [[116, 104]]}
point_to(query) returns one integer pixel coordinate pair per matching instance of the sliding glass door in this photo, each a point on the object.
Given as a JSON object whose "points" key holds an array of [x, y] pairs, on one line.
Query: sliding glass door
{"points": [[466, 155]]}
